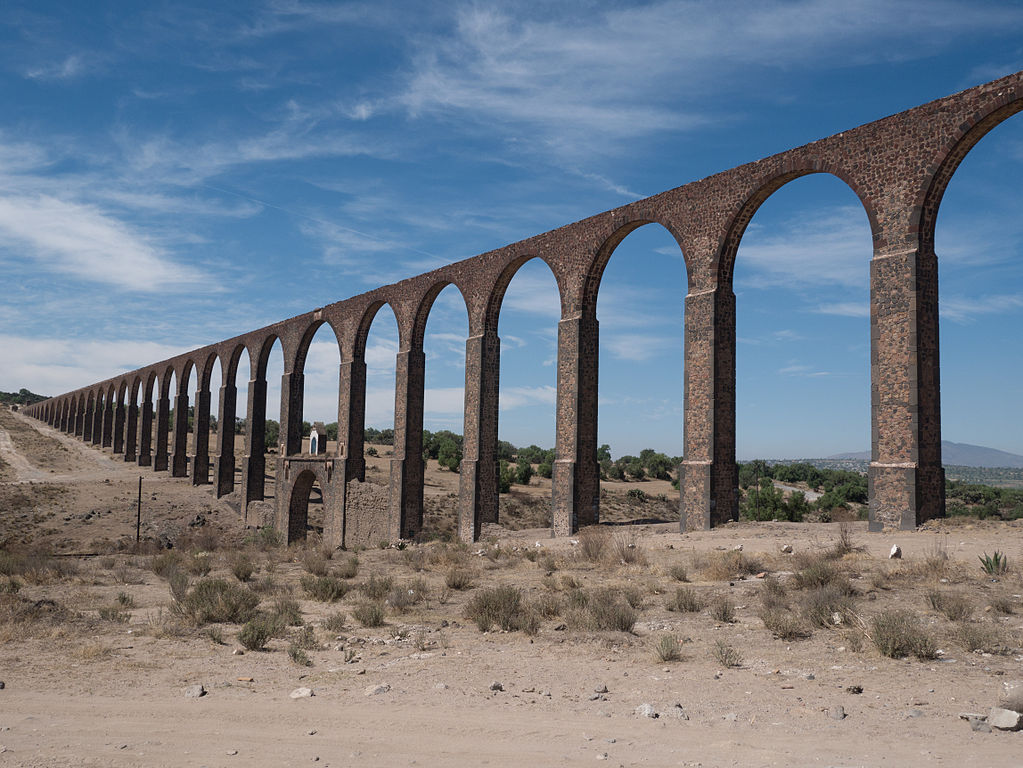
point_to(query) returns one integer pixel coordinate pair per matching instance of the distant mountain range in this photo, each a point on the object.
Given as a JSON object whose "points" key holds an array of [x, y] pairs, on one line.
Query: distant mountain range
{"points": [[961, 455]]}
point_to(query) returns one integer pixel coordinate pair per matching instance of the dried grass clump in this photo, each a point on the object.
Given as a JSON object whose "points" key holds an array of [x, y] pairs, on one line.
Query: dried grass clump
{"points": [[334, 622], [166, 563], [326, 589], [287, 610], [242, 566], [593, 542], [496, 606], [783, 623], [369, 614], [404, 596], [723, 566], [685, 600], [828, 606], [220, 601], [37, 567], [603, 610], [678, 572], [459, 578], [845, 545], [626, 551], [897, 634], [348, 569], [983, 638], [954, 606], [723, 609], [199, 563], [376, 587], [725, 654], [259, 630], [316, 561], [668, 648], [819, 572]]}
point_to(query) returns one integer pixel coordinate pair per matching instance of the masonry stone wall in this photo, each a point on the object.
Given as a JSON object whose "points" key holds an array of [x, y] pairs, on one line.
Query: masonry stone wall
{"points": [[898, 167]]}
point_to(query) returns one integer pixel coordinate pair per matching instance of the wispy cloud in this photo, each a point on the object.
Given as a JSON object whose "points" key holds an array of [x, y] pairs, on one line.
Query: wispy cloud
{"points": [[965, 309], [88, 243], [833, 247], [68, 68], [844, 308], [640, 347]]}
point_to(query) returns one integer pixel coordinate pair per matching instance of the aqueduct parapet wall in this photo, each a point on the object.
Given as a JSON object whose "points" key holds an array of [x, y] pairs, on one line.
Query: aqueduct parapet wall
{"points": [[898, 167]]}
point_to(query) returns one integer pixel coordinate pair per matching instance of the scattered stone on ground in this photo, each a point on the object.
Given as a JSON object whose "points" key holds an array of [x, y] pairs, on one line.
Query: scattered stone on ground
{"points": [[837, 712], [301, 693], [1005, 719], [376, 690], [194, 692]]}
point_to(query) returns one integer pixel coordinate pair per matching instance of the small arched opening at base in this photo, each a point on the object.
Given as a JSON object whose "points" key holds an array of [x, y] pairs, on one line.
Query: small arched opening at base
{"points": [[305, 510]]}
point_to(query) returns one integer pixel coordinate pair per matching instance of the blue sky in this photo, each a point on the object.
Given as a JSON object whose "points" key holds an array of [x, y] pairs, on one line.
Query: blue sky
{"points": [[172, 175]]}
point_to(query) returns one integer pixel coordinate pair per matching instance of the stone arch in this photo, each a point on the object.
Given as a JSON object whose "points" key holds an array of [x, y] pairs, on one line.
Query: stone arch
{"points": [[591, 287], [259, 359], [366, 321], [205, 371], [307, 338], [953, 155], [232, 356], [495, 297], [425, 305], [725, 257]]}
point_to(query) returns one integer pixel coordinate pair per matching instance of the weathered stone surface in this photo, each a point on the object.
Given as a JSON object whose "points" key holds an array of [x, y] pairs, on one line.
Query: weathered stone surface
{"points": [[301, 693], [1005, 719], [194, 692], [376, 690]]}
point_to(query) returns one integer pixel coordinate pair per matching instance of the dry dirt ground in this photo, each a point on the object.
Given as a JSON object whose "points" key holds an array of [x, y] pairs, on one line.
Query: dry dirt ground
{"points": [[96, 654]]}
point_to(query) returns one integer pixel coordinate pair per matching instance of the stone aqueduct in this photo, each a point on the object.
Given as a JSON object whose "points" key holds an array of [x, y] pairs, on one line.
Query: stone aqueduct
{"points": [[899, 168]]}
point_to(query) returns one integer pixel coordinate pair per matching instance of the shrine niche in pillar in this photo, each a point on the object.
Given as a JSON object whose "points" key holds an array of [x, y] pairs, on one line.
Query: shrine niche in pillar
{"points": [[318, 439]]}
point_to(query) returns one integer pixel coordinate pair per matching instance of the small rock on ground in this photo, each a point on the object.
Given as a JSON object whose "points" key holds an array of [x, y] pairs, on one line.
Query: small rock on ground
{"points": [[496, 686], [837, 713], [301, 693], [1005, 719], [646, 710], [194, 692], [376, 690]]}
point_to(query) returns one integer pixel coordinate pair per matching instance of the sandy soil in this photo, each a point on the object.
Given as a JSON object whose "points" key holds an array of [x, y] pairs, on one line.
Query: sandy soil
{"points": [[81, 690]]}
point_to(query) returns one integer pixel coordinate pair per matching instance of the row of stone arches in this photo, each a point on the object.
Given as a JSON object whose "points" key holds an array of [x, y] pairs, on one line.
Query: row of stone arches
{"points": [[898, 168]]}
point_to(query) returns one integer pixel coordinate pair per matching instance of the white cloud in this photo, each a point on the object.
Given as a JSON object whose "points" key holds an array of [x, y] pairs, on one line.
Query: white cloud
{"points": [[639, 347], [831, 248], [845, 308], [83, 240], [55, 366], [517, 397], [964, 309], [67, 69]]}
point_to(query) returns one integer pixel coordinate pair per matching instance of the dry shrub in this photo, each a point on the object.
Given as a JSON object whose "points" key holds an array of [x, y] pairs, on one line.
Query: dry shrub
{"points": [[985, 638], [548, 605], [626, 551], [723, 566], [819, 572], [37, 567], [592, 543], [376, 587], [668, 648], [492, 606], [609, 610], [326, 589], [124, 574], [823, 605], [165, 563], [242, 566], [369, 614], [1002, 604], [258, 630], [287, 610], [199, 564], [220, 601], [415, 558], [334, 622], [547, 562], [954, 606], [93, 651], [723, 609], [897, 634], [179, 583], [782, 622], [316, 562], [685, 600], [459, 578], [678, 572], [114, 613], [404, 596], [845, 544], [348, 569], [725, 654], [164, 624], [448, 554]]}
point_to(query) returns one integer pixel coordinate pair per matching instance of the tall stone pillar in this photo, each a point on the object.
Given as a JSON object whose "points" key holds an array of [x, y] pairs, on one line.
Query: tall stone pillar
{"points": [[131, 432], [118, 442], [708, 475], [255, 448], [162, 432], [224, 463], [179, 464], [907, 482], [406, 498], [351, 416], [146, 435], [97, 423], [108, 424], [576, 478], [87, 422], [477, 478], [292, 392], [201, 438]]}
